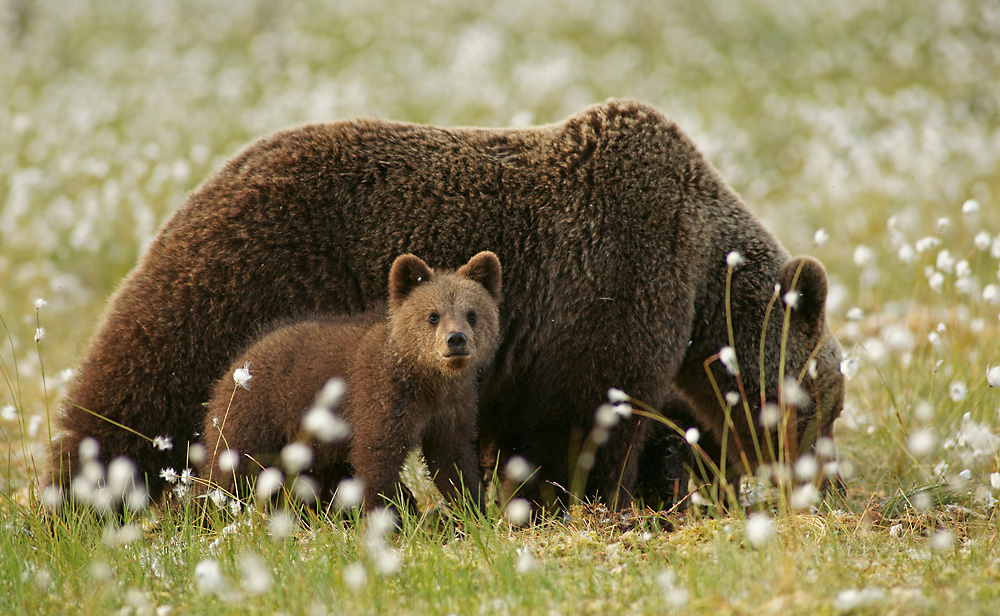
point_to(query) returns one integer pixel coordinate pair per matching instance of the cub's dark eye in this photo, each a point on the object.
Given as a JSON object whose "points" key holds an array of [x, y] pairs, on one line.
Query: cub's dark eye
{"points": [[472, 316], [433, 318]]}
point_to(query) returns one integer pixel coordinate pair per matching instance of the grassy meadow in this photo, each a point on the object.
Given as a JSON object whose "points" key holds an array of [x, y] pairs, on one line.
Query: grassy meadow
{"points": [[864, 133]]}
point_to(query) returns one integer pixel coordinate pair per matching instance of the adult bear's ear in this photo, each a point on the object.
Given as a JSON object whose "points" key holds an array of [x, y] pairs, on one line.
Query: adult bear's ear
{"points": [[484, 268], [807, 278], [407, 272]]}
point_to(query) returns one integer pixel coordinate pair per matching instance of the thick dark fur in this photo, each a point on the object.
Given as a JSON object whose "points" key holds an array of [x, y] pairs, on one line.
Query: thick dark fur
{"points": [[406, 386], [613, 230]]}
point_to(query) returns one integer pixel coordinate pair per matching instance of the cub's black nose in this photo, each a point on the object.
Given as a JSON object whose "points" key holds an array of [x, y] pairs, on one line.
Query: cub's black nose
{"points": [[456, 341]]}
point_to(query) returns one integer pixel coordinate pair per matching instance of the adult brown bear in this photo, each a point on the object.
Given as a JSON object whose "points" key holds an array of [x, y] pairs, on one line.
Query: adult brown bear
{"points": [[614, 232]]}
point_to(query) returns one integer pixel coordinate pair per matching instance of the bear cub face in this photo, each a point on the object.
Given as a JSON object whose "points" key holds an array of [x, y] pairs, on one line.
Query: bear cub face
{"points": [[441, 322]]}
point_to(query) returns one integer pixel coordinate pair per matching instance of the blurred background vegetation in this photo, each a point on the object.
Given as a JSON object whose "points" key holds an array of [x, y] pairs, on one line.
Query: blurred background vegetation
{"points": [[871, 120]]}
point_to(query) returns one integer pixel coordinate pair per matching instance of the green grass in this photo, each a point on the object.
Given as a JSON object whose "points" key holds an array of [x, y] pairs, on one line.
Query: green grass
{"points": [[870, 120]]}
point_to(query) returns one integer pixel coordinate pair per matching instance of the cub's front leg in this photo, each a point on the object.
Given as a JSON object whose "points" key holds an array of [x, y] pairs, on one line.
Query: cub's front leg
{"points": [[450, 450]]}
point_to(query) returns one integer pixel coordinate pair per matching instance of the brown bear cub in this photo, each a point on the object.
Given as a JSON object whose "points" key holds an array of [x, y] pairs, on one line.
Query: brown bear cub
{"points": [[411, 375]]}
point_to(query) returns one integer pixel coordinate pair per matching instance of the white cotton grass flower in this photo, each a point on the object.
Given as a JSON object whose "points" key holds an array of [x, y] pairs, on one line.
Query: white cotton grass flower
{"points": [[9, 413], [936, 282], [617, 396], [39, 304], [525, 562], [332, 393], [993, 375], [197, 454], [732, 398], [727, 355], [945, 262], [242, 376], [943, 223], [770, 415], [116, 536], [169, 475], [820, 237], [269, 482], [794, 394], [804, 497], [280, 524], [208, 577], [228, 460], [734, 259], [675, 595], [792, 299], [855, 314], [305, 489], [327, 427], [39, 334], [926, 243], [296, 457], [759, 529], [355, 576], [863, 256], [991, 294], [851, 599], [957, 391], [257, 578], [806, 468], [380, 522], [982, 240], [517, 469], [187, 476], [965, 475], [350, 493], [906, 254], [606, 416], [691, 435], [970, 207], [163, 443], [518, 511], [386, 561], [922, 442], [941, 540], [52, 497], [995, 481]]}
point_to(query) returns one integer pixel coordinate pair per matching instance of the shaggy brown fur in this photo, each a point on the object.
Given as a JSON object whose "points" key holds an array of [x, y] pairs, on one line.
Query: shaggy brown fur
{"points": [[411, 378], [613, 230]]}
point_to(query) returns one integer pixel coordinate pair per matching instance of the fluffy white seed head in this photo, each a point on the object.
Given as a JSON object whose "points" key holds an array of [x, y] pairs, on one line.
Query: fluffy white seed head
{"points": [[89, 448], [734, 259], [350, 493], [268, 483], [727, 355], [296, 457], [208, 577], [327, 427], [197, 454], [518, 511], [759, 529], [993, 375], [518, 470], [606, 416], [804, 497], [692, 435], [849, 368], [820, 237], [770, 416], [921, 442], [257, 578], [242, 376], [617, 396], [332, 393], [228, 460]]}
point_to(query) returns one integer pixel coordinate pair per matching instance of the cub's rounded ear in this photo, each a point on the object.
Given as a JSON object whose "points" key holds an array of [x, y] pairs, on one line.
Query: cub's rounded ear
{"points": [[484, 268], [807, 277], [407, 272]]}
